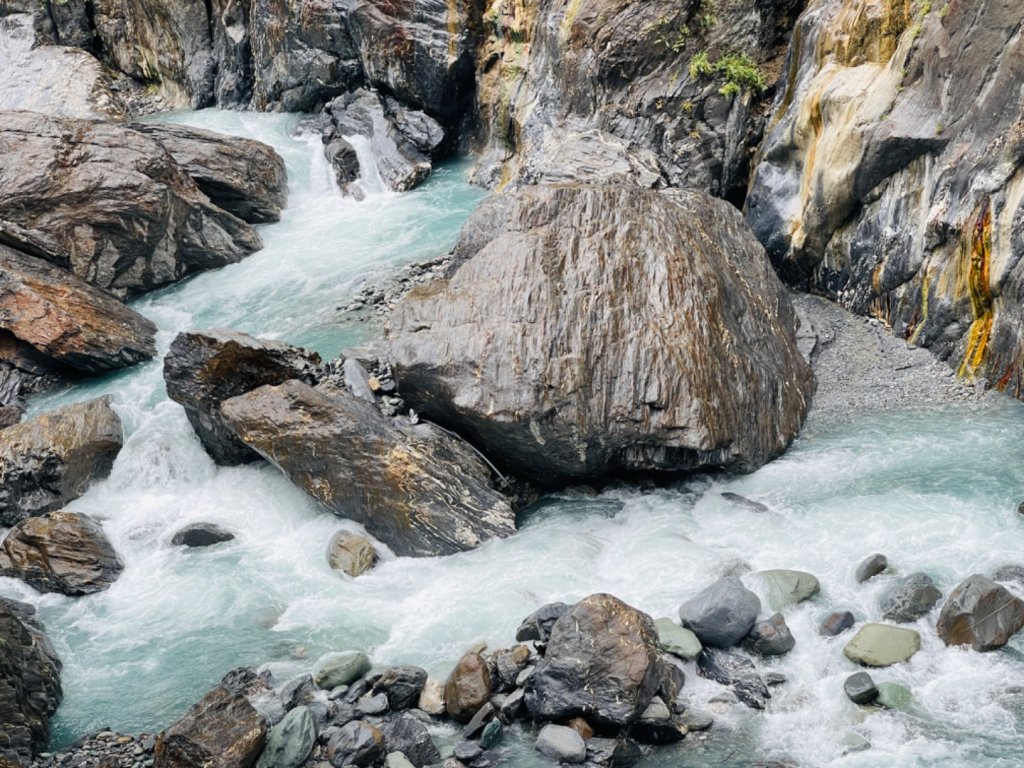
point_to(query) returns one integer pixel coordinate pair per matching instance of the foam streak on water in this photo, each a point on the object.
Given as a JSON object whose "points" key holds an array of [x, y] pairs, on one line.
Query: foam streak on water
{"points": [[934, 491]]}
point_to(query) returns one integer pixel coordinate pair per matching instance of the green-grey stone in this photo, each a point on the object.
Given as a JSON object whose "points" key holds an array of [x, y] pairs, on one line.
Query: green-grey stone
{"points": [[784, 588], [677, 640], [893, 696], [854, 742], [879, 645], [491, 734], [290, 741], [334, 669]]}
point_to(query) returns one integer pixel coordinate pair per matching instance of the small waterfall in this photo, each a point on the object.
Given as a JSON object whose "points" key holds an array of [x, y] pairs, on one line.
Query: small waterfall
{"points": [[370, 180]]}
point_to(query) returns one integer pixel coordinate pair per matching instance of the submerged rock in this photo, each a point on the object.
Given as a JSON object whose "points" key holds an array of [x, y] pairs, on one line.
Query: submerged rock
{"points": [[124, 215], [722, 614], [910, 598], [351, 553], [785, 588], [980, 613], [601, 663], [202, 369], [60, 552], [51, 459], [417, 489], [872, 566], [742, 501], [880, 645], [893, 696], [30, 689], [610, 355], [737, 673], [201, 535]]}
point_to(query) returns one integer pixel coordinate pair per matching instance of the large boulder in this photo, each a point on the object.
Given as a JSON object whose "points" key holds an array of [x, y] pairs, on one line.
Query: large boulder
{"points": [[51, 459], [71, 324], [468, 687], [601, 663], [980, 613], [722, 614], [60, 552], [123, 214], [60, 81], [417, 489], [221, 730], [243, 176], [889, 179], [784, 588], [909, 599], [202, 369], [594, 330], [29, 683]]}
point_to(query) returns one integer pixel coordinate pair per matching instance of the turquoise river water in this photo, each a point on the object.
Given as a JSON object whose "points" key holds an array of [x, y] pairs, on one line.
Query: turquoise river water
{"points": [[935, 490]]}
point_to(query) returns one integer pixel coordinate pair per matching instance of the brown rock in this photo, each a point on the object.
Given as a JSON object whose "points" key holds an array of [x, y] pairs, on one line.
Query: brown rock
{"points": [[582, 727], [50, 459], [60, 552], [980, 613], [222, 730], [351, 553], [468, 687]]}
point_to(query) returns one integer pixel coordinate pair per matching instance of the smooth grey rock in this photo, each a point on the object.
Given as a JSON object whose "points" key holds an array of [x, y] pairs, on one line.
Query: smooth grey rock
{"points": [[358, 380], [344, 668], [722, 614], [491, 735], [909, 599], [773, 679], [893, 696], [397, 480], [290, 741], [54, 457], [600, 663], [980, 613], [880, 645], [696, 721], [677, 640], [860, 688], [508, 664], [785, 588], [372, 705], [872, 566], [836, 623], [632, 262], [737, 673], [770, 637], [561, 744], [467, 751], [513, 707], [201, 535]]}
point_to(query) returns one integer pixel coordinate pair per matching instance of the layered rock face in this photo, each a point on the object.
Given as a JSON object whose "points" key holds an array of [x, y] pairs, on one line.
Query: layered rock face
{"points": [[121, 212], [607, 329], [29, 683], [891, 177], [611, 83]]}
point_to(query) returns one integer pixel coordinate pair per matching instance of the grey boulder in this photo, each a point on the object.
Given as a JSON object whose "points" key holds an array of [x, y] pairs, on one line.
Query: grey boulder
{"points": [[722, 614], [980, 613], [562, 744], [290, 741], [737, 673], [909, 599], [770, 637]]}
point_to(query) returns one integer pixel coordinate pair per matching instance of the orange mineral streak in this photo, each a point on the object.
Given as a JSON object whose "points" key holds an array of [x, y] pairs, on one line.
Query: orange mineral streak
{"points": [[866, 31], [974, 268]]}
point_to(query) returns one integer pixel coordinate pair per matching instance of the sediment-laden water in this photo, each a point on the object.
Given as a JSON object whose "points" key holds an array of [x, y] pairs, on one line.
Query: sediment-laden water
{"points": [[935, 490]]}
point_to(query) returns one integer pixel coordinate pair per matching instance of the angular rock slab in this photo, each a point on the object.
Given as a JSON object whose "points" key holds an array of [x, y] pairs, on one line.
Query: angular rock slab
{"points": [[60, 552], [737, 673], [601, 663], [980, 613], [593, 330], [221, 730], [124, 215], [881, 645], [202, 369], [722, 614], [785, 588], [51, 459], [420, 491], [68, 320], [30, 689]]}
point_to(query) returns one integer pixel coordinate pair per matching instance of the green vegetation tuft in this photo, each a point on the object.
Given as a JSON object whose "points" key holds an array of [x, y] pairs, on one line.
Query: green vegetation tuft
{"points": [[739, 71]]}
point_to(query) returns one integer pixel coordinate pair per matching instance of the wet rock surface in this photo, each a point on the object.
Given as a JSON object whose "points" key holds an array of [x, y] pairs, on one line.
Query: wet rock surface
{"points": [[909, 599], [980, 613], [596, 388], [351, 553], [881, 645], [418, 490], [61, 552], [722, 614], [201, 535], [737, 673], [52, 458]]}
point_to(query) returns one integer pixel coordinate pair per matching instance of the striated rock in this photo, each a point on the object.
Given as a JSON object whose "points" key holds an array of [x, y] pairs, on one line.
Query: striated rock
{"points": [[785, 588], [562, 744], [51, 459], [406, 734], [59, 81], [30, 688], [417, 489], [770, 637], [344, 668], [60, 552], [981, 613], [351, 553], [70, 323], [910, 598], [881, 645], [124, 215], [202, 369], [290, 741], [537, 626], [402, 685], [600, 663], [872, 566], [882, 189], [221, 730], [243, 176], [736, 672], [591, 329], [357, 743], [201, 535], [722, 614], [468, 687]]}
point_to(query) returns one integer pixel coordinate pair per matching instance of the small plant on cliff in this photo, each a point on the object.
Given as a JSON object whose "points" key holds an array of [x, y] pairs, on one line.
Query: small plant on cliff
{"points": [[674, 32], [739, 71]]}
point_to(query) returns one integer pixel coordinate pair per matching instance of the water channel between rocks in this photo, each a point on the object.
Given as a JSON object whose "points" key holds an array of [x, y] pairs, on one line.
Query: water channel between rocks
{"points": [[935, 490]]}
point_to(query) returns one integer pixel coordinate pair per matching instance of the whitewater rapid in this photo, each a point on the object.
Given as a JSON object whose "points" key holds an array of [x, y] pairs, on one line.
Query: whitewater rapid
{"points": [[935, 490]]}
